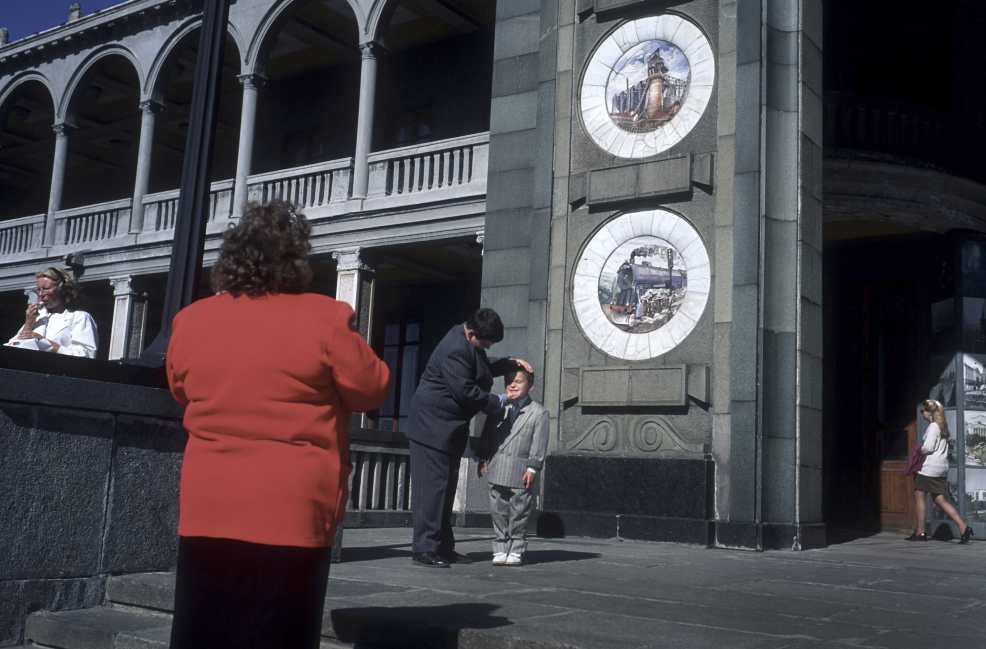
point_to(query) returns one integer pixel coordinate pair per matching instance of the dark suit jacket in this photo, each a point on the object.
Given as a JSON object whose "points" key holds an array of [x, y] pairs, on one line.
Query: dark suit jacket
{"points": [[455, 386]]}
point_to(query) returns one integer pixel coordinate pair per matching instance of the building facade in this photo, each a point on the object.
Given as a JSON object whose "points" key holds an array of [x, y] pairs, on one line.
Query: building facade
{"points": [[683, 217]]}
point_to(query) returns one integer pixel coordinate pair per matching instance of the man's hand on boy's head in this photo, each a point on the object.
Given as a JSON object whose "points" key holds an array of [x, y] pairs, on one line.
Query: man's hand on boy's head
{"points": [[528, 478], [481, 469]]}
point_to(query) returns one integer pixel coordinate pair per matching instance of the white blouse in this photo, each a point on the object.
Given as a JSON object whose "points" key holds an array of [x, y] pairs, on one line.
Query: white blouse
{"points": [[73, 331], [936, 461]]}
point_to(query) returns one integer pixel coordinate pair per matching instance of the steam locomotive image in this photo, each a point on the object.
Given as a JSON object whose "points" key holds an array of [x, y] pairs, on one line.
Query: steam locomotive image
{"points": [[645, 295]]}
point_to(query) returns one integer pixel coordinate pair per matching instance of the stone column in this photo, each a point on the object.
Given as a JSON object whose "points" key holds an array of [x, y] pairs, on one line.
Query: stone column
{"points": [[57, 179], [364, 125], [481, 240], [248, 123], [148, 110], [129, 319]]}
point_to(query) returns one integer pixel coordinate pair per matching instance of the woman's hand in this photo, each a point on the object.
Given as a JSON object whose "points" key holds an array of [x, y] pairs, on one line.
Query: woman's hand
{"points": [[30, 319]]}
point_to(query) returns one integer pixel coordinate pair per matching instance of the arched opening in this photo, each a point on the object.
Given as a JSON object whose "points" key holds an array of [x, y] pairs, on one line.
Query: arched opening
{"points": [[903, 201], [102, 149], [435, 79], [307, 111], [26, 145], [173, 88]]}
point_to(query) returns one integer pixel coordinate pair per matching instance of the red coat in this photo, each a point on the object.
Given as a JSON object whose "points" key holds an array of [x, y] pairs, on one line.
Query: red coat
{"points": [[269, 384]]}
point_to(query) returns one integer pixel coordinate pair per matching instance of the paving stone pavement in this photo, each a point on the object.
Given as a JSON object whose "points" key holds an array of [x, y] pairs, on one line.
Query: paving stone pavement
{"points": [[878, 591]]}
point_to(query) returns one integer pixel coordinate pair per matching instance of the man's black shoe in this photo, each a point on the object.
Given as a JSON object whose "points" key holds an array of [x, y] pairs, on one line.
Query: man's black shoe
{"points": [[455, 557], [429, 559]]}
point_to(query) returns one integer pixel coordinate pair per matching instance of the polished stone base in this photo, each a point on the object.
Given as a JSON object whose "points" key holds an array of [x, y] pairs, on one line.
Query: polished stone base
{"points": [[773, 536], [657, 499]]}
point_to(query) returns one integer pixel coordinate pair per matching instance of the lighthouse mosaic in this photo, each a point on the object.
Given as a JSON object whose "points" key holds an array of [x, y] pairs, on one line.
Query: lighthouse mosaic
{"points": [[646, 85]]}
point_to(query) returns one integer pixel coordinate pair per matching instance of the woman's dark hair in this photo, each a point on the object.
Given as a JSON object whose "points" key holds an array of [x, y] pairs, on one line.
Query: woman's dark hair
{"points": [[266, 252], [67, 287], [486, 324]]}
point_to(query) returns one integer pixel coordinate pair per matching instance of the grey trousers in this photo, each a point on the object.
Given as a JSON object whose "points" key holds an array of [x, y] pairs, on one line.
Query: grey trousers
{"points": [[510, 509]]}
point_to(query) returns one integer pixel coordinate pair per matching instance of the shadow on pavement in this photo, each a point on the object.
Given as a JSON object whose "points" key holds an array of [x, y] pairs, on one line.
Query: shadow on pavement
{"points": [[551, 556], [413, 627], [373, 552]]}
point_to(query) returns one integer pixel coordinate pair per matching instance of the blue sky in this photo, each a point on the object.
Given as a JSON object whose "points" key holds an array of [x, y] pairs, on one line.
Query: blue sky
{"points": [[24, 17]]}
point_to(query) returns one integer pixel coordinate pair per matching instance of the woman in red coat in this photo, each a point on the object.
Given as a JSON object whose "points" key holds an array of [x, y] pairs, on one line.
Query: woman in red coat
{"points": [[269, 375]]}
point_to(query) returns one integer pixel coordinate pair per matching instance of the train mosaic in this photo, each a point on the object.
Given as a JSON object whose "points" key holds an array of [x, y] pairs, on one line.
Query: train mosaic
{"points": [[641, 284]]}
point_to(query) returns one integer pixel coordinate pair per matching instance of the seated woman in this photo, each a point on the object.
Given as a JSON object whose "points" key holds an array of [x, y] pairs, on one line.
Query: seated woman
{"points": [[53, 324]]}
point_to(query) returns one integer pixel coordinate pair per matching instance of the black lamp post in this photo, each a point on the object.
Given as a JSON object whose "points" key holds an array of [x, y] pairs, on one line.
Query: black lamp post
{"points": [[193, 200]]}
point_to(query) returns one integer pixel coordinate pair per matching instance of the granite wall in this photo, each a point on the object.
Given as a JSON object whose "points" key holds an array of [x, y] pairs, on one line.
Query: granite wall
{"points": [[89, 472]]}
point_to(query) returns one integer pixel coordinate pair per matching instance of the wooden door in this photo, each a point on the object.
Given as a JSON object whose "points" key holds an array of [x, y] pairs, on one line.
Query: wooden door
{"points": [[897, 490]]}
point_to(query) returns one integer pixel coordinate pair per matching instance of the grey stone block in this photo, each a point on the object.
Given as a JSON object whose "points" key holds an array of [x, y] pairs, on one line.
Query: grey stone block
{"points": [[782, 86], [811, 221], [748, 31], [507, 228], [743, 344], [548, 51], [517, 36], [54, 485], [721, 373], [507, 267], [509, 189], [740, 469], [781, 276], [509, 301], [20, 598], [810, 485], [727, 27], [811, 275], [142, 525], [515, 75], [566, 38], [90, 629], [539, 260], [811, 67], [747, 117], [810, 381], [722, 278], [812, 21], [151, 590], [726, 113], [810, 437], [781, 195], [514, 112], [746, 229], [725, 180], [510, 8], [512, 150], [782, 46], [652, 179], [811, 329], [811, 116], [779, 483], [779, 381], [614, 184], [620, 386], [784, 14]]}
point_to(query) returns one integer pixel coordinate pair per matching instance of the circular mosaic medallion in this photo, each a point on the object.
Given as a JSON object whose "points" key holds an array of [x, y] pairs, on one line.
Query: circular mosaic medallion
{"points": [[646, 86], [641, 284]]}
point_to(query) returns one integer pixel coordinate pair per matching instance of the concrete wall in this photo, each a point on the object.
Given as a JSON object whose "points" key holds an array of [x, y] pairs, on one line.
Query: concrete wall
{"points": [[89, 472]]}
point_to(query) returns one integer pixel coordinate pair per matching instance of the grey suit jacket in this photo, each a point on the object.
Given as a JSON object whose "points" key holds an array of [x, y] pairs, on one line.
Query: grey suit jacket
{"points": [[510, 450]]}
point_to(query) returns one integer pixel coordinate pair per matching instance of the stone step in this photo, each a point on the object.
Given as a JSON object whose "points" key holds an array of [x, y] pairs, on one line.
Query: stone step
{"points": [[94, 628], [151, 590]]}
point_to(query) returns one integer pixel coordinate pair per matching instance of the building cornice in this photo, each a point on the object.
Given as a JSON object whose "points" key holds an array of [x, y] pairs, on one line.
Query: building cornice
{"points": [[70, 35]]}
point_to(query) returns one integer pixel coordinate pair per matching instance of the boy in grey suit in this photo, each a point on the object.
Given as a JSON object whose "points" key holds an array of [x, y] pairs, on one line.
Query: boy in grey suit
{"points": [[511, 453]]}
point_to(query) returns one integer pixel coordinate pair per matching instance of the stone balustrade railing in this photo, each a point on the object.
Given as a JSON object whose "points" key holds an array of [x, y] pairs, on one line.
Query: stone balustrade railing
{"points": [[310, 186], [380, 479], [161, 208], [430, 168], [92, 223], [23, 235], [438, 171]]}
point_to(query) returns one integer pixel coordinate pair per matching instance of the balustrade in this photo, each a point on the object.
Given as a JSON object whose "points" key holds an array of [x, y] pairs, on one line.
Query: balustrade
{"points": [[306, 187], [430, 168], [19, 236], [380, 478], [92, 223], [161, 209]]}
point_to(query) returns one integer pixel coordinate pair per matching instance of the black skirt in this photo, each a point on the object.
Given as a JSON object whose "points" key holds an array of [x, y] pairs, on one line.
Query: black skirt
{"points": [[929, 485], [239, 595]]}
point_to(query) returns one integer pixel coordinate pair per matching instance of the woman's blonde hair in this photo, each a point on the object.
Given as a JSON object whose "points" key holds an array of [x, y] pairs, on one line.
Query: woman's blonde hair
{"points": [[68, 289], [934, 408]]}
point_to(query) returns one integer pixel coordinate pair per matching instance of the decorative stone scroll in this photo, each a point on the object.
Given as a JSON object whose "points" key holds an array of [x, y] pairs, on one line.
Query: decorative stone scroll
{"points": [[641, 284], [646, 85]]}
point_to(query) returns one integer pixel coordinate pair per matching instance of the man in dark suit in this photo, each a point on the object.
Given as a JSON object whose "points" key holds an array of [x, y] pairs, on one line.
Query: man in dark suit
{"points": [[454, 387]]}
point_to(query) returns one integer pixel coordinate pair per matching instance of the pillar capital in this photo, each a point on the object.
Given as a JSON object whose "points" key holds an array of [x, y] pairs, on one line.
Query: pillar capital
{"points": [[253, 80], [350, 259], [122, 285]]}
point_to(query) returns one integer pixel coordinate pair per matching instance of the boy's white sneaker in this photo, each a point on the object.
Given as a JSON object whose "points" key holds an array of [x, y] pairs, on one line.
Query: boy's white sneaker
{"points": [[514, 559], [499, 558]]}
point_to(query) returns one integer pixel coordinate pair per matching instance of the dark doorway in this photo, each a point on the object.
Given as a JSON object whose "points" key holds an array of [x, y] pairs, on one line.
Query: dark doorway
{"points": [[878, 301]]}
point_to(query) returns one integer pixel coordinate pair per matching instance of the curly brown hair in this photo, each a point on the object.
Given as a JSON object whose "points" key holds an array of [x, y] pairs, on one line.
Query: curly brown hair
{"points": [[266, 252]]}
